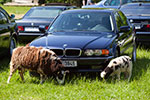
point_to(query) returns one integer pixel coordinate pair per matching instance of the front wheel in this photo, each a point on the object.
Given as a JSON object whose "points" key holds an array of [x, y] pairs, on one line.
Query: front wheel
{"points": [[117, 53], [12, 45], [134, 53]]}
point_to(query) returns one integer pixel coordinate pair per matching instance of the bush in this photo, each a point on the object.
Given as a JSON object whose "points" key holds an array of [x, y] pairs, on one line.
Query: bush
{"points": [[73, 2], [4, 1]]}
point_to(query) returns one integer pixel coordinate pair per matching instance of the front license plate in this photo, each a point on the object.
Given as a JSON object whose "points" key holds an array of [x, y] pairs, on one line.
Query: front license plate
{"points": [[31, 29], [70, 63]]}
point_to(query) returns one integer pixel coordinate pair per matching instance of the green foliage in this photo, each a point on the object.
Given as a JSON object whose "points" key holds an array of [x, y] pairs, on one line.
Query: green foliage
{"points": [[73, 2], [79, 87], [4, 1]]}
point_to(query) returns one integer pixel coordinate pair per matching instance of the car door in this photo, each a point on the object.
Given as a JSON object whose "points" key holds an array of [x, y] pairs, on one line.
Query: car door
{"points": [[125, 38], [4, 34]]}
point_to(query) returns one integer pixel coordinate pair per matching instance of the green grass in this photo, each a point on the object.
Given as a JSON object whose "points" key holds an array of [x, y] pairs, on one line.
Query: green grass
{"points": [[15, 9], [79, 87]]}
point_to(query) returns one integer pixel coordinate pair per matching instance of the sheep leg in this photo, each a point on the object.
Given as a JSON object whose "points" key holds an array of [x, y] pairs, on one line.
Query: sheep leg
{"points": [[21, 74], [130, 74], [42, 78], [118, 76], [13, 68], [130, 71], [126, 75]]}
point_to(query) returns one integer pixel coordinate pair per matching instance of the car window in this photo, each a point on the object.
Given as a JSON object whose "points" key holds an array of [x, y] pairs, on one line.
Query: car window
{"points": [[112, 3], [116, 2], [130, 10], [43, 13], [5, 12], [3, 19], [140, 0], [123, 18], [83, 21]]}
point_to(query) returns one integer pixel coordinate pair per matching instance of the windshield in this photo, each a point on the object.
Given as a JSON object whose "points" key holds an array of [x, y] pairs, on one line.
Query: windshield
{"points": [[83, 21], [43, 13], [140, 0], [115, 2], [120, 2], [136, 10]]}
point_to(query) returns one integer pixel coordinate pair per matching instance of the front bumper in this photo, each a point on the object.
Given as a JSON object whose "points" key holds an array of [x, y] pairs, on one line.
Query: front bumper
{"points": [[143, 37], [88, 64]]}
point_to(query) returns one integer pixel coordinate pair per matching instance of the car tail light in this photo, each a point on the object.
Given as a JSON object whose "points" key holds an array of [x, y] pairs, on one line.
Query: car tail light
{"points": [[46, 27], [20, 28], [148, 26]]}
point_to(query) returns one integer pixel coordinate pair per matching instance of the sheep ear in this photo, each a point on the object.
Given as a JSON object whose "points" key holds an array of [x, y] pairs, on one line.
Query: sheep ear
{"points": [[56, 58]]}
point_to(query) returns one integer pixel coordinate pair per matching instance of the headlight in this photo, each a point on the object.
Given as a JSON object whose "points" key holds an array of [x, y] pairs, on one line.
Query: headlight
{"points": [[96, 52], [131, 20]]}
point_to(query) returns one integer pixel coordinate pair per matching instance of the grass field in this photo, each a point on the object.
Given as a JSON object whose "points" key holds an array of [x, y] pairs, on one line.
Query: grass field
{"points": [[79, 87], [17, 10]]}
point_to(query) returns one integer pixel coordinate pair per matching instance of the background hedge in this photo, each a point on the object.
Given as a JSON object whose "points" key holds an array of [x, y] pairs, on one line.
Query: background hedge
{"points": [[72, 2]]}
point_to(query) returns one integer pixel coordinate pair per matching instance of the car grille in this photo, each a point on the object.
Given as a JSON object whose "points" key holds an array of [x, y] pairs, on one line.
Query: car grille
{"points": [[69, 52], [59, 52]]}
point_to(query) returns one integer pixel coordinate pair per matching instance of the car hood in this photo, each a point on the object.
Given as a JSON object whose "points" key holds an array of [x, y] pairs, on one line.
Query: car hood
{"points": [[35, 20], [69, 41]]}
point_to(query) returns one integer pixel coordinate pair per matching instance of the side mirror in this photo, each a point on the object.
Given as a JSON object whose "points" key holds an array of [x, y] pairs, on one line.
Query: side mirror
{"points": [[42, 28], [124, 28], [12, 16]]}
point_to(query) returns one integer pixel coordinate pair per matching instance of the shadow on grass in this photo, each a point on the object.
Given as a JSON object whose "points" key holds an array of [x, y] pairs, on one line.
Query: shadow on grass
{"points": [[140, 67], [4, 64]]}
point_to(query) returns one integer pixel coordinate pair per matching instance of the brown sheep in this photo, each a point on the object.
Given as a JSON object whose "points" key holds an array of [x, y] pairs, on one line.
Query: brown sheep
{"points": [[41, 60]]}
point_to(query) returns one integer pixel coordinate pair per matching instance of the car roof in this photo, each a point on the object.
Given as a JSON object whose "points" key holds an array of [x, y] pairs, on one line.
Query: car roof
{"points": [[110, 10], [59, 7], [135, 4]]}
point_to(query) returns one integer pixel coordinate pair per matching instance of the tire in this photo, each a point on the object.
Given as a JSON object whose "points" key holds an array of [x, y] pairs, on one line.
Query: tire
{"points": [[117, 52], [12, 45], [134, 52]]}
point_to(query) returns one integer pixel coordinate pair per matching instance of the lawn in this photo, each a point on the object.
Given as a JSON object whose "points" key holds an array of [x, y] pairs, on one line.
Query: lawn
{"points": [[79, 87], [19, 11]]}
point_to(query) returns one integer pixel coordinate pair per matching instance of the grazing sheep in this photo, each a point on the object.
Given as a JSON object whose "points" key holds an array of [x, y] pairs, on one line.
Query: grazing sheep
{"points": [[118, 65], [40, 60]]}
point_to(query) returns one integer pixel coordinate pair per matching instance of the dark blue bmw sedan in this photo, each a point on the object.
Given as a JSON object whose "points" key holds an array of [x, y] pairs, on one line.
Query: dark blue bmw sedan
{"points": [[85, 39]]}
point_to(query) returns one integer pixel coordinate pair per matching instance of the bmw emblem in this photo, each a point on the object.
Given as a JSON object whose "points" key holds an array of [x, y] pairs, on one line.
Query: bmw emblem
{"points": [[32, 24], [65, 45]]}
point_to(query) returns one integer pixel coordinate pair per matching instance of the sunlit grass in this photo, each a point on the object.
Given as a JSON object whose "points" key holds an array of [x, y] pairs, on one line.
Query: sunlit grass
{"points": [[79, 87], [15, 9]]}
